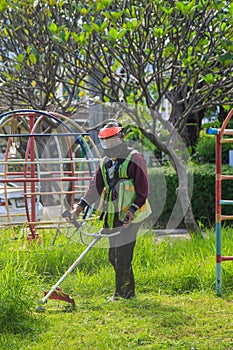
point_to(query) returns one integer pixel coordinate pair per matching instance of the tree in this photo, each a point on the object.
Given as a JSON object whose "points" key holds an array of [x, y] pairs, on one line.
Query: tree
{"points": [[34, 69], [151, 50], [137, 52], [148, 50]]}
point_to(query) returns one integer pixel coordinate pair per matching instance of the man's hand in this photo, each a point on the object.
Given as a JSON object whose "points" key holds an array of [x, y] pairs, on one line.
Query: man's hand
{"points": [[72, 215], [76, 211], [128, 218]]}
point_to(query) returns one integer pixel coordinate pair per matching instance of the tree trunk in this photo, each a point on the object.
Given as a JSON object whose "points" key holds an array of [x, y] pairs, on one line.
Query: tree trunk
{"points": [[182, 192], [183, 195]]}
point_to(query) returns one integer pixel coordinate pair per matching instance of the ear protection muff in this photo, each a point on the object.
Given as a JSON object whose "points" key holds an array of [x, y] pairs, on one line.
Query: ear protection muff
{"points": [[121, 135]]}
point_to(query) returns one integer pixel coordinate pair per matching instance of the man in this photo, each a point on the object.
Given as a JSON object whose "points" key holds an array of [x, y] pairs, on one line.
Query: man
{"points": [[122, 179]]}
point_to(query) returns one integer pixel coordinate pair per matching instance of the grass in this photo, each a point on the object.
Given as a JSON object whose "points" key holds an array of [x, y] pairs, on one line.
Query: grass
{"points": [[176, 305]]}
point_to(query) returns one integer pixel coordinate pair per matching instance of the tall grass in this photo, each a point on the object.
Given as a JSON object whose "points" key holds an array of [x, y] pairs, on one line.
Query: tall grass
{"points": [[18, 292], [176, 266], [15, 301], [165, 267]]}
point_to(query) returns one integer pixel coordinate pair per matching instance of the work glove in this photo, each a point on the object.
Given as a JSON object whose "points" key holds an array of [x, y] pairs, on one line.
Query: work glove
{"points": [[128, 218], [76, 211], [73, 215]]}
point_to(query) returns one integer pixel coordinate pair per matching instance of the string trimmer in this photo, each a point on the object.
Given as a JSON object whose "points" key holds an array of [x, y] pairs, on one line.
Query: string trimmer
{"points": [[55, 292]]}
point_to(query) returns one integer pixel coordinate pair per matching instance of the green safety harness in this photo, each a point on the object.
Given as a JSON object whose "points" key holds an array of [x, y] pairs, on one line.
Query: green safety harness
{"points": [[119, 189]]}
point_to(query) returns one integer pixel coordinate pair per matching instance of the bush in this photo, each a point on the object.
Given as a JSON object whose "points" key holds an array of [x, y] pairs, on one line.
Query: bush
{"points": [[205, 151], [163, 184]]}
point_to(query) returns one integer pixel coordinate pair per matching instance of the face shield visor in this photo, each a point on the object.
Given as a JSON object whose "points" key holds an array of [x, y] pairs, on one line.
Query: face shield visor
{"points": [[111, 142]]}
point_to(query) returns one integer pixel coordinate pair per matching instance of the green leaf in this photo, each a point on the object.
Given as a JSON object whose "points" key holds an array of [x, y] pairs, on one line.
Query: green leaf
{"points": [[41, 58], [101, 4], [3, 5], [231, 9], [96, 27], [32, 58], [34, 50], [53, 28], [169, 49], [87, 28], [167, 11], [122, 33], [227, 107], [104, 25], [158, 32], [180, 6], [106, 14], [113, 33], [186, 7], [106, 99], [81, 38], [64, 35], [209, 78], [134, 22], [18, 67], [188, 61], [20, 58], [7, 75], [203, 42], [116, 15], [223, 27], [98, 22]]}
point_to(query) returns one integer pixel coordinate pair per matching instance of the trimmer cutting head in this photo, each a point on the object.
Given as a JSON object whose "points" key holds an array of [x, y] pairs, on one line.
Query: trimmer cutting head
{"points": [[58, 294]]}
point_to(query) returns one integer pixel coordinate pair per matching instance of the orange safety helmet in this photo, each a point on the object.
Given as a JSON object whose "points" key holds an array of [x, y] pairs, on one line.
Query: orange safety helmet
{"points": [[111, 135]]}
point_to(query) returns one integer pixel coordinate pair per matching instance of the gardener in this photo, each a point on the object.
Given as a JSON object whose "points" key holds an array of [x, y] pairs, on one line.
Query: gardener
{"points": [[122, 179]]}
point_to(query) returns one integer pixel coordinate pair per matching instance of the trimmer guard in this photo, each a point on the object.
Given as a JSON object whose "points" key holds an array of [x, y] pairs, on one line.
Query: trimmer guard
{"points": [[58, 294]]}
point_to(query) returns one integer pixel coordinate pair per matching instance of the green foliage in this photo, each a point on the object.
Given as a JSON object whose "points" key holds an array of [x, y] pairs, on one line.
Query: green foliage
{"points": [[3, 5], [205, 150], [203, 195], [59, 29], [165, 193], [132, 132]]}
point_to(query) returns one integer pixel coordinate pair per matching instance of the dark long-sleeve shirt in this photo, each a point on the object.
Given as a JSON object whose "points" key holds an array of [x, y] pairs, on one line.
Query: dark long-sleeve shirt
{"points": [[137, 171]]}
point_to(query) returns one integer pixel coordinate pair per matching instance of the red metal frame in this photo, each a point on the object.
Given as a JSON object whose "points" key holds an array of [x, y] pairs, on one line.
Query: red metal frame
{"points": [[29, 176]]}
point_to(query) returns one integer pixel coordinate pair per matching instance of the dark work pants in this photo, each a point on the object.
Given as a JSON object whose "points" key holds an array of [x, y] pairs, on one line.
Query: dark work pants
{"points": [[120, 256]]}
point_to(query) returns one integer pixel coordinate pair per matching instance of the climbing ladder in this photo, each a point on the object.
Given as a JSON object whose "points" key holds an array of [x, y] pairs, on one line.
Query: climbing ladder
{"points": [[223, 135]]}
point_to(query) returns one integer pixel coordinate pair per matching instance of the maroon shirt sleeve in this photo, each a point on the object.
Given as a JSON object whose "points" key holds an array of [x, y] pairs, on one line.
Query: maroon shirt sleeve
{"points": [[95, 189], [137, 171]]}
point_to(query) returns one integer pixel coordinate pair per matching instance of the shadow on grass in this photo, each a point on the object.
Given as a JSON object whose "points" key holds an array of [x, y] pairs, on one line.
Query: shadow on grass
{"points": [[140, 309], [165, 315]]}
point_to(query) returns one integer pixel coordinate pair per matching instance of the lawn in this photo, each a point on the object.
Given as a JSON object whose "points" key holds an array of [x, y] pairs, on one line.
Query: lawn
{"points": [[176, 305]]}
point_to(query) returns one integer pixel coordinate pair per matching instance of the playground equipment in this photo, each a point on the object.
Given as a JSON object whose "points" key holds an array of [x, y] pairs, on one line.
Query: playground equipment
{"points": [[51, 159], [223, 135]]}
